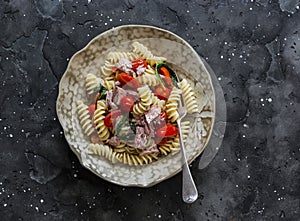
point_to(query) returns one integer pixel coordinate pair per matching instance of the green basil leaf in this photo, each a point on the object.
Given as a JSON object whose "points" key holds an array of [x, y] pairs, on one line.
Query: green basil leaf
{"points": [[121, 123], [102, 92], [158, 76], [132, 126], [172, 73]]}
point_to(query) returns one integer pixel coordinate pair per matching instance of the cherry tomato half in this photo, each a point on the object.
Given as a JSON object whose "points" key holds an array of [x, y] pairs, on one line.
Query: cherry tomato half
{"points": [[127, 103], [167, 79], [109, 119], [127, 80], [161, 93], [92, 108], [138, 62], [167, 131]]}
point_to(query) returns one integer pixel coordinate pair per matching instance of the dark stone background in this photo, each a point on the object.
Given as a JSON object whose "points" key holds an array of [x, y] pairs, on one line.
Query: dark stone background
{"points": [[252, 45]]}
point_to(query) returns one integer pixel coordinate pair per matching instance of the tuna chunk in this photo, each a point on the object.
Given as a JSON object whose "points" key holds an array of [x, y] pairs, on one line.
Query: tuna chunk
{"points": [[152, 149], [135, 95], [115, 141], [152, 113], [109, 100], [140, 141], [124, 65], [119, 93]]}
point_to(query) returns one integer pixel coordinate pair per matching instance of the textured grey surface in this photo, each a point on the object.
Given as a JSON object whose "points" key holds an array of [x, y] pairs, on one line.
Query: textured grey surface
{"points": [[253, 47]]}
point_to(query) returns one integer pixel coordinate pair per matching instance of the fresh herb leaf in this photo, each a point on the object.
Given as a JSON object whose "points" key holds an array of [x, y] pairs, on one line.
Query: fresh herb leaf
{"points": [[102, 92], [173, 76], [158, 76], [121, 123], [172, 73], [132, 126]]}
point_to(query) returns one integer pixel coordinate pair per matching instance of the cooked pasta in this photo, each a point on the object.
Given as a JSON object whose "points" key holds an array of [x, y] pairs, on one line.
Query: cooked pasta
{"points": [[172, 145], [107, 69], [136, 108], [136, 160], [172, 104], [109, 84], [145, 53], [185, 128], [85, 119], [150, 70], [148, 79], [146, 96], [92, 83], [104, 151], [114, 57], [159, 103], [99, 121], [189, 97]]}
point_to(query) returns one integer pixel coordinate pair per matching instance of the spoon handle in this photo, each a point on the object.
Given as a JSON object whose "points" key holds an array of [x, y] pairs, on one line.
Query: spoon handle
{"points": [[189, 190]]}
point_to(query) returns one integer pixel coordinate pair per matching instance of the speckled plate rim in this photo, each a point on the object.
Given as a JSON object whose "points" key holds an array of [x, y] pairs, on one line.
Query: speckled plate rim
{"points": [[84, 48]]}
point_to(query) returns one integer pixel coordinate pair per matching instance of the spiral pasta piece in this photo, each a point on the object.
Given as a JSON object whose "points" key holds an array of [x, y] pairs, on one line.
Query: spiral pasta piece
{"points": [[98, 120], [109, 84], [104, 151], [147, 79], [172, 104], [158, 102], [114, 57], [189, 97], [120, 148], [84, 117], [185, 129], [136, 160], [92, 83], [172, 145], [145, 53], [106, 69], [149, 70], [146, 96]]}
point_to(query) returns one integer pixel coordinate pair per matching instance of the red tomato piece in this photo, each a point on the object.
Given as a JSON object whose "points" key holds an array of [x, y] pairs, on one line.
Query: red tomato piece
{"points": [[167, 131], [161, 93], [165, 72], [109, 119], [92, 108], [138, 62], [127, 103], [127, 80]]}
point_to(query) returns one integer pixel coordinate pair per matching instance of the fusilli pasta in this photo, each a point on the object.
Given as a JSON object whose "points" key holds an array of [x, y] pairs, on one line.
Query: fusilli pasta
{"points": [[92, 83], [109, 84], [114, 57], [146, 96], [145, 53], [104, 151], [129, 114], [189, 97], [172, 145], [148, 79], [99, 120], [84, 117], [136, 160], [106, 69], [172, 104]]}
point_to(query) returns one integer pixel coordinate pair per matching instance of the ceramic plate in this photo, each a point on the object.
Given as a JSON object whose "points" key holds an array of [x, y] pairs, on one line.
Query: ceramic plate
{"points": [[185, 61]]}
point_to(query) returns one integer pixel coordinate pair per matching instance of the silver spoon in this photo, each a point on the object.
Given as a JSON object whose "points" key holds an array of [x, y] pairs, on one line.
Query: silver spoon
{"points": [[189, 190]]}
